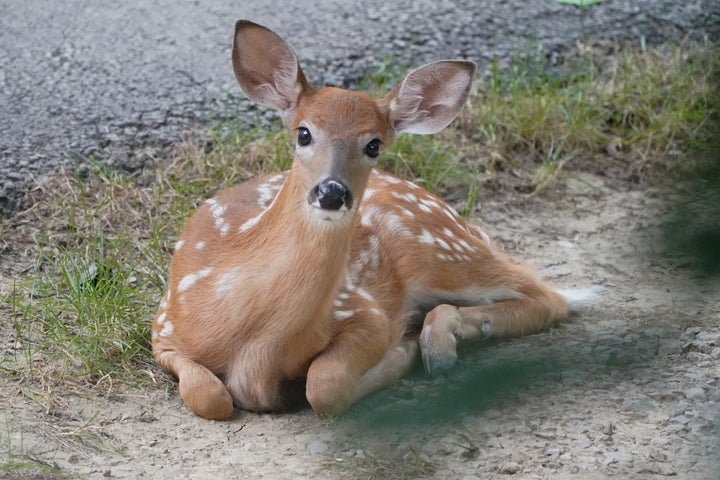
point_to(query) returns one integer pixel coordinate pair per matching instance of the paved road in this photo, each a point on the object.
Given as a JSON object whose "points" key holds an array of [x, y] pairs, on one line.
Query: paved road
{"points": [[118, 80]]}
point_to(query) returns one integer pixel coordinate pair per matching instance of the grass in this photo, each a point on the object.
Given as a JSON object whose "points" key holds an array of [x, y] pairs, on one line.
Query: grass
{"points": [[648, 107], [101, 243], [370, 464]]}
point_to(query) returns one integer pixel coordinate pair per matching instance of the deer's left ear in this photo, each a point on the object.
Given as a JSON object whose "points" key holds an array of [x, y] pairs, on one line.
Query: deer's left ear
{"points": [[430, 97]]}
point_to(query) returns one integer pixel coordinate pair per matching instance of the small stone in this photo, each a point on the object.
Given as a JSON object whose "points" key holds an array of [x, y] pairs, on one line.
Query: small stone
{"points": [[554, 451], [659, 441], [715, 353], [617, 457], [317, 447], [573, 377], [509, 468], [695, 393], [492, 414], [681, 407]]}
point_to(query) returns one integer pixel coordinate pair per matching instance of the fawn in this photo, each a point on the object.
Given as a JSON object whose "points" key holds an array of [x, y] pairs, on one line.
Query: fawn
{"points": [[334, 276]]}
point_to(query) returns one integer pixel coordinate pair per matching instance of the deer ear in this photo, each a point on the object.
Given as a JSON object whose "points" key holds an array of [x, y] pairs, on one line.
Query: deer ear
{"points": [[430, 97], [267, 69]]}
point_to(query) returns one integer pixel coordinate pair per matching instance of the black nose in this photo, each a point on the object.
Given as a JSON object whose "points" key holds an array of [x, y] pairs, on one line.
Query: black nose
{"points": [[331, 195]]}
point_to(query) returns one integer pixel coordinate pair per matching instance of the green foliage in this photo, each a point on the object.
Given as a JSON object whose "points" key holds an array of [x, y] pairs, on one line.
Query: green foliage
{"points": [[646, 105]]}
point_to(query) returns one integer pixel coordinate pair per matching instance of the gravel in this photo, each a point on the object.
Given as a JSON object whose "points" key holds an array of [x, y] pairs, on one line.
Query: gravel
{"points": [[122, 81]]}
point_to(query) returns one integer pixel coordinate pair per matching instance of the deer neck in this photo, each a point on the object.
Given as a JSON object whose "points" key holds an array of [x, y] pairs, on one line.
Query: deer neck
{"points": [[300, 251]]}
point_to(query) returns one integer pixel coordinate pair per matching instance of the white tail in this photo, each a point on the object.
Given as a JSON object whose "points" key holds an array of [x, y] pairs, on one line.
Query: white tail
{"points": [[581, 298], [331, 275]]}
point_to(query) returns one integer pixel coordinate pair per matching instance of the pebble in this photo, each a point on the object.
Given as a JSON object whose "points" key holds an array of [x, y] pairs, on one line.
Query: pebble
{"points": [[617, 457], [509, 468], [681, 407], [317, 447], [695, 393], [659, 441]]}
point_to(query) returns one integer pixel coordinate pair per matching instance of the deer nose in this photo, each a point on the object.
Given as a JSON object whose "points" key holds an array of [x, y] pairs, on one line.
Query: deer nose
{"points": [[330, 194]]}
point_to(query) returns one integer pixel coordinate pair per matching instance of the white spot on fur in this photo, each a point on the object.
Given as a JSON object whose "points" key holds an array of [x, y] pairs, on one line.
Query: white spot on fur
{"points": [[226, 282], [367, 195], [218, 211], [161, 318], [350, 282], [428, 202], [200, 245], [164, 303], [179, 244], [190, 279], [426, 237], [343, 295], [375, 311], [277, 178], [451, 214], [369, 215], [407, 197], [466, 245], [425, 208], [407, 212], [343, 314], [443, 244], [266, 195], [168, 329], [449, 233], [395, 225], [486, 327], [338, 303], [365, 294], [251, 223], [483, 235]]}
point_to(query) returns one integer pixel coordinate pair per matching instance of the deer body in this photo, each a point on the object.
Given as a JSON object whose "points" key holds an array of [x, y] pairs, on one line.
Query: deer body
{"points": [[326, 274]]}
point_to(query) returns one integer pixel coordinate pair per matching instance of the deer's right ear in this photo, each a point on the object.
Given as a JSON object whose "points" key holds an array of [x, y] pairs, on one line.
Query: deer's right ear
{"points": [[267, 69]]}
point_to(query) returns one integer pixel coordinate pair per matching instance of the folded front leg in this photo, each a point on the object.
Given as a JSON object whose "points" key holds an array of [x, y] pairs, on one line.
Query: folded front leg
{"points": [[359, 344]]}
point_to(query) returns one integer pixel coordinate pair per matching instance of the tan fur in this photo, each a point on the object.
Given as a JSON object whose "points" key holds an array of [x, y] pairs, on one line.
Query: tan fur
{"points": [[264, 290]]}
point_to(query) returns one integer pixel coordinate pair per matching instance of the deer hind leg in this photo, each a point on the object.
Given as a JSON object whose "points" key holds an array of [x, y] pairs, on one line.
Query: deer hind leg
{"points": [[536, 307], [202, 391]]}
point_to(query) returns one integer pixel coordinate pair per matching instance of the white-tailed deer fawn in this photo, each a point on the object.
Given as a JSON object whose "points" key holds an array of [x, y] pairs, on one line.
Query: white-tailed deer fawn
{"points": [[333, 275]]}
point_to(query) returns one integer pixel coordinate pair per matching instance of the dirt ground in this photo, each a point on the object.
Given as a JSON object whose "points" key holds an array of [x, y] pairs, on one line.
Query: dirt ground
{"points": [[627, 389]]}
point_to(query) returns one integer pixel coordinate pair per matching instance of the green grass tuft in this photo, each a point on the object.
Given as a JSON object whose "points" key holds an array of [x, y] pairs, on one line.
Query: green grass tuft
{"points": [[647, 106]]}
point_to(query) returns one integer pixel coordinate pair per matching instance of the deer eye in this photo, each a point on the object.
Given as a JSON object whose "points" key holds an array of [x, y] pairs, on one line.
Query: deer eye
{"points": [[303, 137], [372, 149]]}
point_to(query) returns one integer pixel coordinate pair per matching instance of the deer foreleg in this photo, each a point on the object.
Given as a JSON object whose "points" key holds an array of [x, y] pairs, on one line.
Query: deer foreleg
{"points": [[359, 345], [202, 391]]}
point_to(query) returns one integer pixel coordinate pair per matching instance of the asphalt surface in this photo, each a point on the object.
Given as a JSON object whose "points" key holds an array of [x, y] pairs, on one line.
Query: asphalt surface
{"points": [[121, 81]]}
